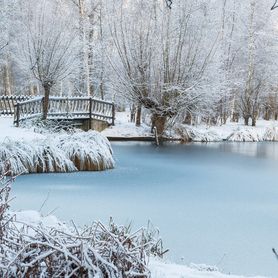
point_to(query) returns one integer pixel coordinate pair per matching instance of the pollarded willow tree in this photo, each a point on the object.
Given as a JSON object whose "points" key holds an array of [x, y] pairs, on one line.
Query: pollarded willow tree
{"points": [[161, 60], [48, 46]]}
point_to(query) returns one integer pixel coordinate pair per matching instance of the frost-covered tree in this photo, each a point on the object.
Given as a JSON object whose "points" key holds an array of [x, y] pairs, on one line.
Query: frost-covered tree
{"points": [[48, 53], [161, 63]]}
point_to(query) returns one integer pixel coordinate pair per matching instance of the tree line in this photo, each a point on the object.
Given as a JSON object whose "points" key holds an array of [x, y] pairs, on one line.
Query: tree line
{"points": [[186, 61]]}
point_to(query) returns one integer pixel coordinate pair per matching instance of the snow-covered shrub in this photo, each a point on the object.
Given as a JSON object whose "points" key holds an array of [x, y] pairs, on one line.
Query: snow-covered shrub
{"points": [[49, 125], [245, 135], [271, 134], [38, 156], [34, 249], [84, 151], [189, 133], [89, 151], [5, 187]]}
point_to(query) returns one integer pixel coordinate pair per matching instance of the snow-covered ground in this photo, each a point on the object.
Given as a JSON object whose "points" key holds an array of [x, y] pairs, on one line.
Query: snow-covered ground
{"points": [[264, 131], [8, 130], [124, 128], [235, 132], [158, 268]]}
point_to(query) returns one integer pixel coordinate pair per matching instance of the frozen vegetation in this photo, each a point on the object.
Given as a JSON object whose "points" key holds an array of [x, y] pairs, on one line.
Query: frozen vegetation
{"points": [[26, 151], [232, 132]]}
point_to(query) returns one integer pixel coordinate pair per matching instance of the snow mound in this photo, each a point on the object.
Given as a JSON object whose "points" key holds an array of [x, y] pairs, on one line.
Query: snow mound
{"points": [[189, 133], [36, 219], [271, 134], [246, 135], [230, 132], [62, 153], [160, 269]]}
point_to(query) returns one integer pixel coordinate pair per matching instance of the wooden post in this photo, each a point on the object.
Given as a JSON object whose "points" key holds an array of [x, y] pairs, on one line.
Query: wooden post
{"points": [[42, 103], [67, 107], [113, 113], [90, 112], [17, 115]]}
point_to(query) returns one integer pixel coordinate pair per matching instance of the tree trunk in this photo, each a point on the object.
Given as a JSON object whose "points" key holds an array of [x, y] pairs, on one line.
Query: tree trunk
{"points": [[45, 101], [254, 121], [159, 122], [138, 115], [267, 114], [246, 120], [188, 119], [7, 80], [132, 113]]}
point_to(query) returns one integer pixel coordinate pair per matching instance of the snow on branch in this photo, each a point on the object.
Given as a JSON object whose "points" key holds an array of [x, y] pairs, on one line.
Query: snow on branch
{"points": [[275, 5], [169, 3]]}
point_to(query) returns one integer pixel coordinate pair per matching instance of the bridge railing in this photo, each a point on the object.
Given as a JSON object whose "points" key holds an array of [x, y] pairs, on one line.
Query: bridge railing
{"points": [[66, 108], [7, 103]]}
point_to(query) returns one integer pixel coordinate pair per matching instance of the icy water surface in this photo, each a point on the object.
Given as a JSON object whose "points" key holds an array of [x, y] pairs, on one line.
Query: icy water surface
{"points": [[214, 203]]}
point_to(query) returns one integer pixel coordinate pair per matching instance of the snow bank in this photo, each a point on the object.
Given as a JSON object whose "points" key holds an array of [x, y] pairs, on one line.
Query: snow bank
{"points": [[160, 269], [189, 133], [124, 128], [234, 132]]}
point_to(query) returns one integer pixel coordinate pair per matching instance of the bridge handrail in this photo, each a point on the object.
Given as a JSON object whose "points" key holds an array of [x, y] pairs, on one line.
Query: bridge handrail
{"points": [[66, 107], [7, 103]]}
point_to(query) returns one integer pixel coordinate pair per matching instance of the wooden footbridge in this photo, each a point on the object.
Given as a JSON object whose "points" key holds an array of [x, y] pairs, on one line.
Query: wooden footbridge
{"points": [[60, 108]]}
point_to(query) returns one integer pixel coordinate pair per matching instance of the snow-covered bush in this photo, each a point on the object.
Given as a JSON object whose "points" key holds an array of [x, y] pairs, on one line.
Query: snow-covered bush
{"points": [[271, 134], [246, 135], [49, 126], [59, 153], [32, 250], [89, 151], [188, 133]]}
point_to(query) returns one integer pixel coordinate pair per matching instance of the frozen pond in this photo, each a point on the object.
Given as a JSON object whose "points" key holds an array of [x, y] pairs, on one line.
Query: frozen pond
{"points": [[214, 203]]}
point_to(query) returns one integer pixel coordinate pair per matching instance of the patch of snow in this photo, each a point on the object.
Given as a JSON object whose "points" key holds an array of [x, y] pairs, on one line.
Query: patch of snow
{"points": [[160, 269], [124, 128], [36, 219], [8, 130]]}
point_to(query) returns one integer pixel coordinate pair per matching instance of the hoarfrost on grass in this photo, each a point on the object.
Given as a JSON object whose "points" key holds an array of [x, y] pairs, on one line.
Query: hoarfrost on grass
{"points": [[58, 153]]}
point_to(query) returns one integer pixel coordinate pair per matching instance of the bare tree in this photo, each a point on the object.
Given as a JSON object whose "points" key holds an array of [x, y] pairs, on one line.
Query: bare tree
{"points": [[161, 59], [49, 52]]}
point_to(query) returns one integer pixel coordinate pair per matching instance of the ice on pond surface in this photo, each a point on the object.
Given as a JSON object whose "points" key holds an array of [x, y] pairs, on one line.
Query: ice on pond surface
{"points": [[214, 203]]}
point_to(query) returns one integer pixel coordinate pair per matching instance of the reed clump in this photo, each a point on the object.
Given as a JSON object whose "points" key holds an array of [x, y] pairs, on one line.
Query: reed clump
{"points": [[81, 151]]}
